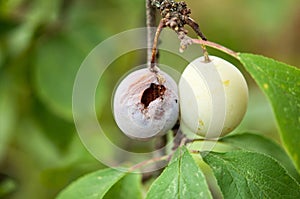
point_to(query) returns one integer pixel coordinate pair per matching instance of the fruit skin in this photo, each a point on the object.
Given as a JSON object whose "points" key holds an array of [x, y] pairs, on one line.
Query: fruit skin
{"points": [[140, 121], [207, 87]]}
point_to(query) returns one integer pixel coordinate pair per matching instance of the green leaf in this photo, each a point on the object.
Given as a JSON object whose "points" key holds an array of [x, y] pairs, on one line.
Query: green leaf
{"points": [[181, 179], [127, 187], [258, 143], [93, 185], [56, 64], [281, 84], [242, 174]]}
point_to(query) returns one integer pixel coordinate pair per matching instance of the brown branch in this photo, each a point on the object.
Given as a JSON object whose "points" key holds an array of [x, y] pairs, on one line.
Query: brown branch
{"points": [[153, 67], [196, 28], [150, 22]]}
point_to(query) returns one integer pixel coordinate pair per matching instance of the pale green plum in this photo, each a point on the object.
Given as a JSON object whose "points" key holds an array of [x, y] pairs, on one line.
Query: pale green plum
{"points": [[213, 97]]}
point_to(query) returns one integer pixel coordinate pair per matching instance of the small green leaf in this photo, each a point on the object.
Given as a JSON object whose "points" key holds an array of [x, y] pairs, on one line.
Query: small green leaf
{"points": [[93, 185], [181, 179], [127, 187], [281, 84], [242, 174], [258, 143]]}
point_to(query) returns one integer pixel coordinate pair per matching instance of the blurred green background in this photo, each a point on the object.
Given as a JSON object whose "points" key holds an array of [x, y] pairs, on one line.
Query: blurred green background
{"points": [[42, 44]]}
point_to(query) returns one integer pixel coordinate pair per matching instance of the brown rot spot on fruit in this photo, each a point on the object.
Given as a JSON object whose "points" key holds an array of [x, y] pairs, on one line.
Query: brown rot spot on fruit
{"points": [[152, 93]]}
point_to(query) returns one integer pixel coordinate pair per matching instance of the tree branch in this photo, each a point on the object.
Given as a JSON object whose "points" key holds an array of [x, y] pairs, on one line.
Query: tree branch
{"points": [[150, 22]]}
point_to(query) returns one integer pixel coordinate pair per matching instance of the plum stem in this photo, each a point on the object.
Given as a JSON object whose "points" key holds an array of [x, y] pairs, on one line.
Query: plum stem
{"points": [[153, 67], [150, 161], [216, 46]]}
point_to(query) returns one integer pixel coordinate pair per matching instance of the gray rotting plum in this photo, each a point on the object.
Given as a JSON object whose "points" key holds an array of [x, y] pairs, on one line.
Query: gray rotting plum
{"points": [[146, 106]]}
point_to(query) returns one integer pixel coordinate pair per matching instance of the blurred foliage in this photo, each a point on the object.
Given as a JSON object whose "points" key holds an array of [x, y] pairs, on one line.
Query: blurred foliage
{"points": [[42, 44]]}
